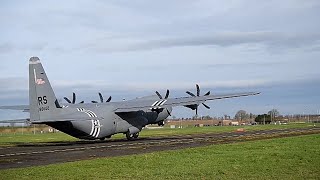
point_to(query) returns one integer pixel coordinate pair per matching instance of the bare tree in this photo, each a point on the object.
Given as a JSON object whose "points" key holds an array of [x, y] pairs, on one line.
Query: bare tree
{"points": [[241, 115], [273, 114]]}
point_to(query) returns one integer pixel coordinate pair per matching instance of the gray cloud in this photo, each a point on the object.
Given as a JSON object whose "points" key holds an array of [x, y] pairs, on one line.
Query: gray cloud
{"points": [[5, 48], [13, 83], [271, 39], [14, 47], [230, 46]]}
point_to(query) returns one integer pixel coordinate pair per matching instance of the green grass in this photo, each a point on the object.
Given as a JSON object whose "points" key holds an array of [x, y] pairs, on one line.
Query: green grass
{"points": [[282, 158], [217, 129], [19, 138], [16, 139]]}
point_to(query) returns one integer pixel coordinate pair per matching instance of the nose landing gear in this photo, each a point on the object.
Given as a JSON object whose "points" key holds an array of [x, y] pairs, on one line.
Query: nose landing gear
{"points": [[103, 138]]}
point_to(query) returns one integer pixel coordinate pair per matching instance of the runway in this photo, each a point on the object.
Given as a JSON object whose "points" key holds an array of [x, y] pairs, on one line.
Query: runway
{"points": [[58, 152]]}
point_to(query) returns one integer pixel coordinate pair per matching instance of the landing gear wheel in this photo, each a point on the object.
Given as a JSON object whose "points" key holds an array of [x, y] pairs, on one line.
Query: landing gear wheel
{"points": [[102, 139], [129, 136], [136, 135], [161, 123]]}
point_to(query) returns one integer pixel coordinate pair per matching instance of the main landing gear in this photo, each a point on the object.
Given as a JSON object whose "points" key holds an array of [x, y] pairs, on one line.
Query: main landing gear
{"points": [[132, 136], [161, 123], [103, 138]]}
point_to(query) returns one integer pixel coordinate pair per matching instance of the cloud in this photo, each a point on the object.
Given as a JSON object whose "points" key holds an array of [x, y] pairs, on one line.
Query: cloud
{"points": [[271, 39], [9, 87], [5, 48], [160, 45], [13, 83], [138, 86]]}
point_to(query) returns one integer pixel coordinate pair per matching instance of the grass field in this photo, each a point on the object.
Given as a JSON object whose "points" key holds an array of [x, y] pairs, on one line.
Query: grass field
{"points": [[19, 138], [282, 158]]}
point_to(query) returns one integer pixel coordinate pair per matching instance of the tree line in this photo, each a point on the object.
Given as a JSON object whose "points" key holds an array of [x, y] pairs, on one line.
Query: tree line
{"points": [[261, 118], [241, 115]]}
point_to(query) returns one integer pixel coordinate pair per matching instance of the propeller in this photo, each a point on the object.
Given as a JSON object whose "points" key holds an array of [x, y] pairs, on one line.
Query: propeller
{"points": [[195, 106], [165, 97], [73, 99], [101, 99]]}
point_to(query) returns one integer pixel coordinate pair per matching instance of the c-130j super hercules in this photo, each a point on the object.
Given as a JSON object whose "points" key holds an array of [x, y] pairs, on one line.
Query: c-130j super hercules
{"points": [[102, 120]]}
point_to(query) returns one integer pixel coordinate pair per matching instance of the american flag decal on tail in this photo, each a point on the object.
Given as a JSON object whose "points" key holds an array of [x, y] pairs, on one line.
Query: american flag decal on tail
{"points": [[40, 81]]}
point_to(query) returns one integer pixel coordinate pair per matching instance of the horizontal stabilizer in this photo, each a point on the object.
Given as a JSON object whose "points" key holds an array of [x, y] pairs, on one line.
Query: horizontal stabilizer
{"points": [[15, 121], [24, 108]]}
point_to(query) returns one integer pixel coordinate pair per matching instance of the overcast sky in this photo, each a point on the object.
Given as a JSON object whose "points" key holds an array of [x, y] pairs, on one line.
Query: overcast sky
{"points": [[133, 48]]}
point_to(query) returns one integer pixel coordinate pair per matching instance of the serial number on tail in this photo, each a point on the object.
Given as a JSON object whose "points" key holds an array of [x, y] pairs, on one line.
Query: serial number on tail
{"points": [[46, 108]]}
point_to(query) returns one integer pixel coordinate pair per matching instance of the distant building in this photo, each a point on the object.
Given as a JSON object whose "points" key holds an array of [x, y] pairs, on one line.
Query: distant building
{"points": [[234, 123]]}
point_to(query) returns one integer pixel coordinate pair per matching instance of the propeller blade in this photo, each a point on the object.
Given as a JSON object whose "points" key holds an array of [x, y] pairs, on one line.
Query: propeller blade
{"points": [[206, 106], [190, 93], [197, 111], [94, 101], [168, 112], [198, 90], [68, 100], [81, 102], [167, 94], [101, 97], [207, 94], [159, 95], [73, 98], [109, 99]]}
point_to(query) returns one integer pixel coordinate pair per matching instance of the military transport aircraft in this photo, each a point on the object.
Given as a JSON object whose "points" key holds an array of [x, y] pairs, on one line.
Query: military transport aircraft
{"points": [[100, 120]]}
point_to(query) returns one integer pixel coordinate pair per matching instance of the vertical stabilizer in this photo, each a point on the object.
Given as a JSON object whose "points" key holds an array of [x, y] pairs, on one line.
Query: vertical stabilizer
{"points": [[43, 102]]}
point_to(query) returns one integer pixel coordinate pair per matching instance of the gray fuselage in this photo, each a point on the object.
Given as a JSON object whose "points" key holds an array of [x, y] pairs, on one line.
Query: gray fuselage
{"points": [[103, 122]]}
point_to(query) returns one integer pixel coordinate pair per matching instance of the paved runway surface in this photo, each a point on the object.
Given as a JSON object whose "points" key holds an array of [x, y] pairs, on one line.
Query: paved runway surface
{"points": [[57, 152]]}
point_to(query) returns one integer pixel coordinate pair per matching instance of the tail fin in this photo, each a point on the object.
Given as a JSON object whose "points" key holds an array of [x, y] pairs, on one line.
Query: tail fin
{"points": [[43, 102]]}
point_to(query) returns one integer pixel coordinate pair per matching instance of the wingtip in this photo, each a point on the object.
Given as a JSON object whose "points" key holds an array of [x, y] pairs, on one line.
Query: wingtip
{"points": [[34, 60]]}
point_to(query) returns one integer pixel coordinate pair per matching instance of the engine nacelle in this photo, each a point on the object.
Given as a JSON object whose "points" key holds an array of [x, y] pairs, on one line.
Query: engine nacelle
{"points": [[133, 130], [164, 114]]}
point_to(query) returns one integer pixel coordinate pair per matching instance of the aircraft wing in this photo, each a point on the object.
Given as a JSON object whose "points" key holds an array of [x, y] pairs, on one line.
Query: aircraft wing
{"points": [[172, 102], [24, 108]]}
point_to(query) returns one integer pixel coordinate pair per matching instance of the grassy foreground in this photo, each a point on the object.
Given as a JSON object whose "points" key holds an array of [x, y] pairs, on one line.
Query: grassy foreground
{"points": [[16, 139], [282, 158]]}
